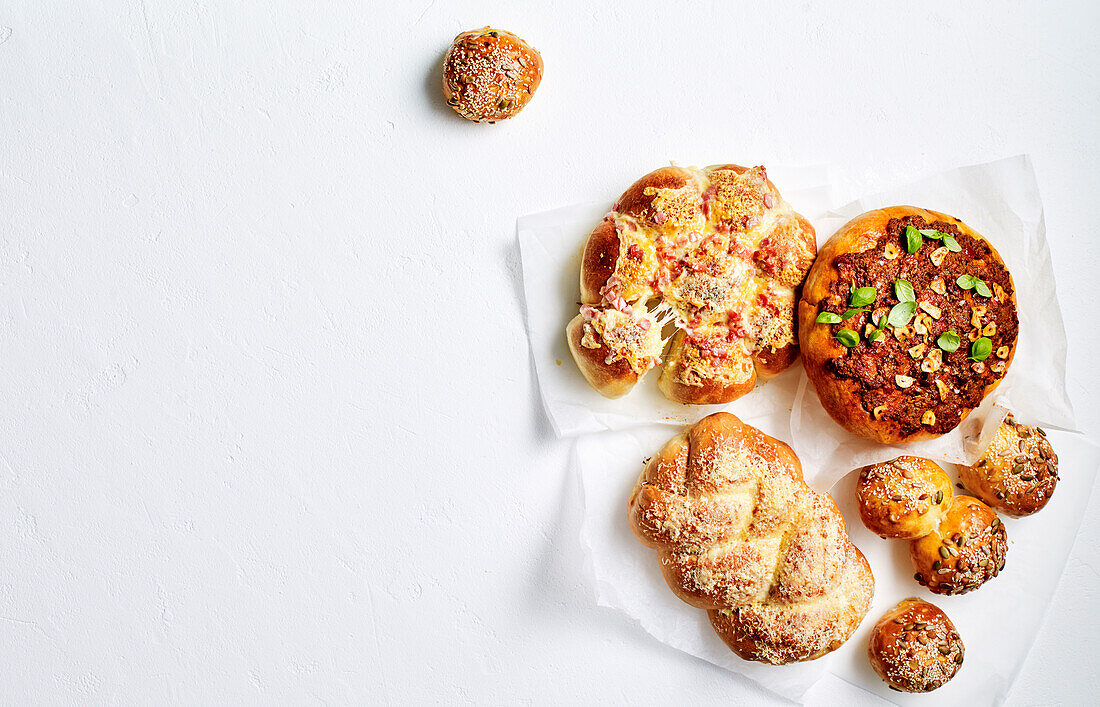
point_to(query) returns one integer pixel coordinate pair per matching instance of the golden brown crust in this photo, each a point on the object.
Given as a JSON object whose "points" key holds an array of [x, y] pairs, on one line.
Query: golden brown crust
{"points": [[914, 647], [892, 416], [957, 543], [739, 533], [689, 377], [1017, 472], [611, 380], [601, 251], [965, 551], [715, 252], [490, 74], [905, 498]]}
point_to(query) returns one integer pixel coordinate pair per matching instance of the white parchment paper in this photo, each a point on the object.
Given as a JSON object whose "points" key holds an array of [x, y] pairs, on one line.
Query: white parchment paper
{"points": [[550, 249], [1001, 201], [997, 622]]}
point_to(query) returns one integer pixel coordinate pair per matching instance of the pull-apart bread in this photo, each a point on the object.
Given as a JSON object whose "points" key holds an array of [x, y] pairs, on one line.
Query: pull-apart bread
{"points": [[740, 534], [709, 258], [907, 321], [956, 543]]}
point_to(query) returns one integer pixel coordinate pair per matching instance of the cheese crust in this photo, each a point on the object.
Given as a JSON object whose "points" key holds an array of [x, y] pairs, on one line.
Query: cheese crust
{"points": [[707, 262]]}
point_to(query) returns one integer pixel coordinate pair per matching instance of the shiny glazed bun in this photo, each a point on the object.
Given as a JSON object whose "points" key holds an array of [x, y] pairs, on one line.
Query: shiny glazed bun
{"points": [[915, 647], [490, 74], [904, 498], [1017, 472], [967, 549]]}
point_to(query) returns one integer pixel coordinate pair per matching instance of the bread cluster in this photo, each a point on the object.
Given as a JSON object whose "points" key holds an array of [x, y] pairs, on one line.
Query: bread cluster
{"points": [[1017, 472], [740, 534], [709, 258], [906, 322], [914, 647], [490, 74], [957, 543]]}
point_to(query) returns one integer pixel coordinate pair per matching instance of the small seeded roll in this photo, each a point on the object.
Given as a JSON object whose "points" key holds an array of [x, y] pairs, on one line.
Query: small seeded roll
{"points": [[915, 647], [490, 74], [966, 550], [905, 498], [1017, 472]]}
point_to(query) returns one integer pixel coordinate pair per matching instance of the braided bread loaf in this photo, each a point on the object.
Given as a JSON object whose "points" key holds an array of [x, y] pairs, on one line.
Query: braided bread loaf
{"points": [[740, 534]]}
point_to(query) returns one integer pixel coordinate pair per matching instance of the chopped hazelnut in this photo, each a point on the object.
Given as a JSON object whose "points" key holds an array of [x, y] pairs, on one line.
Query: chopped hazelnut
{"points": [[933, 362], [917, 351], [938, 255], [938, 286], [941, 388], [990, 329], [929, 418], [1002, 352], [999, 366], [904, 381], [891, 251], [931, 309]]}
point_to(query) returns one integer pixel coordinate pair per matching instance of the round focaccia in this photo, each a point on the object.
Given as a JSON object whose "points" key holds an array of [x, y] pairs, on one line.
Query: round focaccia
{"points": [[907, 321], [710, 259]]}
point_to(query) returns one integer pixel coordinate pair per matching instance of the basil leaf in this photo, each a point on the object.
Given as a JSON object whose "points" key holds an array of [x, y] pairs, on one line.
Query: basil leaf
{"points": [[949, 341], [951, 243], [904, 290], [849, 313], [966, 282], [982, 289], [901, 314], [829, 318], [913, 239], [875, 335], [931, 233], [980, 349], [848, 338], [863, 296]]}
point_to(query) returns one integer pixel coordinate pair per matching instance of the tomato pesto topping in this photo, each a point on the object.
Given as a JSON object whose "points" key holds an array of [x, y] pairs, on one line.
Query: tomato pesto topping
{"points": [[926, 321]]}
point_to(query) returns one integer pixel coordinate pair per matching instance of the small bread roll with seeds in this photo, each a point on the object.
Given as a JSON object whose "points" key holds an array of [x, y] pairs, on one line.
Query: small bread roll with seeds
{"points": [[1017, 472], [490, 74], [965, 551], [905, 498], [915, 647]]}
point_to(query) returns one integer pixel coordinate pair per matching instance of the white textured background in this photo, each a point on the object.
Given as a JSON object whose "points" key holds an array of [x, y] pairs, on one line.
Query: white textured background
{"points": [[270, 431]]}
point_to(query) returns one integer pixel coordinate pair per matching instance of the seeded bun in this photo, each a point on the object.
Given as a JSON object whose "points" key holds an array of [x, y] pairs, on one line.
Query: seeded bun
{"points": [[965, 551], [885, 374], [906, 498], [1017, 472], [490, 74], [914, 647]]}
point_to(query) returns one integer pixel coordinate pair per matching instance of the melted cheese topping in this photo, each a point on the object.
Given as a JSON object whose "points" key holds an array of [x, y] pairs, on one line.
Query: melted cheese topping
{"points": [[625, 338], [723, 253]]}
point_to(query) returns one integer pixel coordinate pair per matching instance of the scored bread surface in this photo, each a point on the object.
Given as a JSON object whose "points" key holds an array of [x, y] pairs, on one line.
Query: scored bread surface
{"points": [[741, 535]]}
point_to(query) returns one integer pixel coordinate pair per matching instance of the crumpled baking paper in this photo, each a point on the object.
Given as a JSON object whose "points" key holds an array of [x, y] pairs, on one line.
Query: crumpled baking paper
{"points": [[551, 244], [1000, 200], [998, 622]]}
